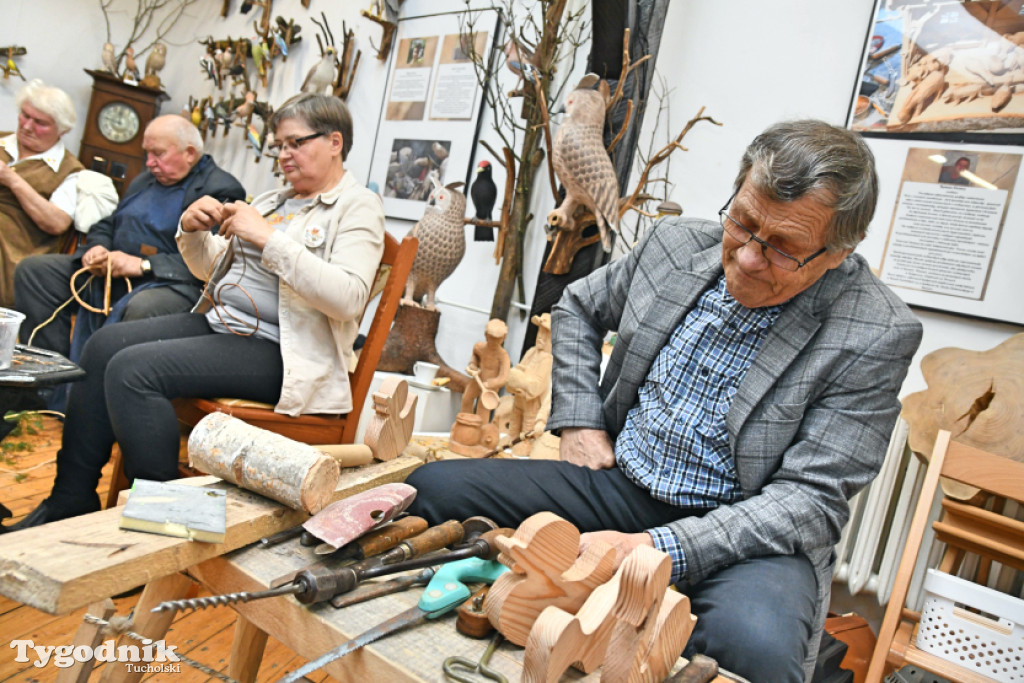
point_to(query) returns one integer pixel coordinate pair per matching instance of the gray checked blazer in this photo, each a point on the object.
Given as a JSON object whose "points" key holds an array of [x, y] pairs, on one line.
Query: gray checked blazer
{"points": [[811, 421]]}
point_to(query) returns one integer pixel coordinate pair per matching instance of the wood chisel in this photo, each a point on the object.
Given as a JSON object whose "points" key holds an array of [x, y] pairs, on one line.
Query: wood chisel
{"points": [[446, 591]]}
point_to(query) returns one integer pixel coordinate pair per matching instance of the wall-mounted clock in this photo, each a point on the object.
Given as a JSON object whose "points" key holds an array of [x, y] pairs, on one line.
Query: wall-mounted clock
{"points": [[118, 115]]}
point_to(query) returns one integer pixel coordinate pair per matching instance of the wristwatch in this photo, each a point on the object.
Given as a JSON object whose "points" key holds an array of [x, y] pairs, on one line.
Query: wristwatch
{"points": [[146, 266]]}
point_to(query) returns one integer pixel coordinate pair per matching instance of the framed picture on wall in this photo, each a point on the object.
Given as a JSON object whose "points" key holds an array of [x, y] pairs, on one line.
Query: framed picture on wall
{"points": [[429, 119], [942, 69]]}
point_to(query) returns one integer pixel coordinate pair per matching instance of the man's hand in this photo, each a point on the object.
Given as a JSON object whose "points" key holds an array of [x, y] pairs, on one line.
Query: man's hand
{"points": [[96, 260], [623, 543], [125, 265], [204, 213], [246, 223], [591, 448]]}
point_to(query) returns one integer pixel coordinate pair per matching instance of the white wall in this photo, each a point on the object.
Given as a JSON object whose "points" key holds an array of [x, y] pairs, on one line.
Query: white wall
{"points": [[750, 63]]}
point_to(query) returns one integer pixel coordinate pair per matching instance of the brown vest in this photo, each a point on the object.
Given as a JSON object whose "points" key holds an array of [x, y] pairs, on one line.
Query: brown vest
{"points": [[19, 236]]}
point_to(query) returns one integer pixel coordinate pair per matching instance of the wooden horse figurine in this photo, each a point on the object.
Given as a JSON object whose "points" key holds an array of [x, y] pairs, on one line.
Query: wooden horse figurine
{"points": [[634, 625], [546, 571]]}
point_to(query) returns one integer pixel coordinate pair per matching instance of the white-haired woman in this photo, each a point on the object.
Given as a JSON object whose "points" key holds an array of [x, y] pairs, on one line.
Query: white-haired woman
{"points": [[288, 276], [38, 188]]}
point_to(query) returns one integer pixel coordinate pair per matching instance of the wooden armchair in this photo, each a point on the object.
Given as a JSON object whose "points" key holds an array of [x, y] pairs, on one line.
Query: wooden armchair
{"points": [[315, 429], [965, 528]]}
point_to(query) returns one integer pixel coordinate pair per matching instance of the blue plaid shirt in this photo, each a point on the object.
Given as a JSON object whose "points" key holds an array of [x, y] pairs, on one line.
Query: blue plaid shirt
{"points": [[675, 443]]}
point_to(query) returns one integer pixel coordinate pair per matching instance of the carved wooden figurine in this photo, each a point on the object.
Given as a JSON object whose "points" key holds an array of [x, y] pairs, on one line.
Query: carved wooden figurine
{"points": [[473, 433], [547, 571], [394, 412], [442, 243], [634, 625], [529, 382], [583, 165]]}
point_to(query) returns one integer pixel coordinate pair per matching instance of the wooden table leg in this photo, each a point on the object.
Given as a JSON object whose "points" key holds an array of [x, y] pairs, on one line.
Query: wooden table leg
{"points": [[246, 650], [88, 634], [173, 587]]}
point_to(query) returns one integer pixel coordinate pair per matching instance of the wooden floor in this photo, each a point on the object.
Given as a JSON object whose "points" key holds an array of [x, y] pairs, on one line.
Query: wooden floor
{"points": [[26, 474]]}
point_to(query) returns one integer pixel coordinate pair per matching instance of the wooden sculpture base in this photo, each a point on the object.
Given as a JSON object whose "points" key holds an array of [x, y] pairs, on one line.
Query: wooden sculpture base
{"points": [[411, 339], [471, 437]]}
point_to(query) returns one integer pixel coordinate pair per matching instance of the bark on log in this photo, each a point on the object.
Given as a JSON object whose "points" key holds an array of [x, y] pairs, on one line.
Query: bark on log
{"points": [[292, 473], [411, 339]]}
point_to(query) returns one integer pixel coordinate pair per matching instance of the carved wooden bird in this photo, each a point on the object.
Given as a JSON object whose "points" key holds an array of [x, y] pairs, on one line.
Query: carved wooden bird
{"points": [[321, 75], [484, 193], [131, 69], [156, 59], [109, 61], [442, 243], [583, 166]]}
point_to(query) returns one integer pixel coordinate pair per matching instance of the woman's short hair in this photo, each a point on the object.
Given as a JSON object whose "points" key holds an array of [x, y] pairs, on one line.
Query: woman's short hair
{"points": [[323, 113], [793, 159], [52, 101]]}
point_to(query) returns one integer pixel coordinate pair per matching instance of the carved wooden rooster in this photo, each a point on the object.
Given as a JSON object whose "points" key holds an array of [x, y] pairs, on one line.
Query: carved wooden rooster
{"points": [[582, 164], [442, 243]]}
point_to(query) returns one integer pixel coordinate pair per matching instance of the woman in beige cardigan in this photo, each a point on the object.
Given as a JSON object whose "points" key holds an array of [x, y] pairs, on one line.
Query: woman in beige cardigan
{"points": [[289, 277]]}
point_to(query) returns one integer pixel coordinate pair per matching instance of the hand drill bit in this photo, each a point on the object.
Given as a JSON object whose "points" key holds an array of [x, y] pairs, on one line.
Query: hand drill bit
{"points": [[226, 599]]}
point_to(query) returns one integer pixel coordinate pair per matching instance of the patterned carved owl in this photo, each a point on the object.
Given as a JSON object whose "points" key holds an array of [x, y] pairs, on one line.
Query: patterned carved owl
{"points": [[582, 164], [442, 243]]}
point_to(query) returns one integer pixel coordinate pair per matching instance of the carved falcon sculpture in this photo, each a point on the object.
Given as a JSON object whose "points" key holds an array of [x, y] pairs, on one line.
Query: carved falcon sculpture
{"points": [[582, 164], [442, 243]]}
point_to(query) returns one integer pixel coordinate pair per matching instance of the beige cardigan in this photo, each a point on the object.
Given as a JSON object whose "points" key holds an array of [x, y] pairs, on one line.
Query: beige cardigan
{"points": [[323, 289]]}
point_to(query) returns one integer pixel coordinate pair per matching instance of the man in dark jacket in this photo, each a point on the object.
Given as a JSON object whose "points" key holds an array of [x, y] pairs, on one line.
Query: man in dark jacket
{"points": [[137, 240]]}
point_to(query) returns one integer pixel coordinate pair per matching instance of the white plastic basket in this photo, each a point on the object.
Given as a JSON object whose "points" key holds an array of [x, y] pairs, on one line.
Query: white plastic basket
{"points": [[989, 646]]}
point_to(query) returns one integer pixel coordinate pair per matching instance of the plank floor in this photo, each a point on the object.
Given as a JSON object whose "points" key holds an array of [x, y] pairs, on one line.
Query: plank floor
{"points": [[26, 474]]}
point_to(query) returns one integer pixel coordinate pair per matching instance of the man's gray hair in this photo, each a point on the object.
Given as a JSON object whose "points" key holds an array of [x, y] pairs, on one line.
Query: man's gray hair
{"points": [[793, 159], [50, 100], [181, 130], [323, 113]]}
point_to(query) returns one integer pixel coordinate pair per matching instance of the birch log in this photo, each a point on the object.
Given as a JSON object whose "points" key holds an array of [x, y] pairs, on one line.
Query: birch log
{"points": [[272, 465]]}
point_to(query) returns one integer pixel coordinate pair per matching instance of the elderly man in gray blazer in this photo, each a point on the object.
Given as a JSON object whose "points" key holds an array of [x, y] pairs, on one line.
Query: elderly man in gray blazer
{"points": [[751, 392]]}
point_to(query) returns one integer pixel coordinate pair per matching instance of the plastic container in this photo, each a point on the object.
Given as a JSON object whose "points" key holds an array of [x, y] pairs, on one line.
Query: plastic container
{"points": [[991, 644], [10, 324]]}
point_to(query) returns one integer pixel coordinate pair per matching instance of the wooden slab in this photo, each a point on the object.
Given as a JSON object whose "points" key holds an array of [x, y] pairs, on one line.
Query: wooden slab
{"points": [[66, 565]]}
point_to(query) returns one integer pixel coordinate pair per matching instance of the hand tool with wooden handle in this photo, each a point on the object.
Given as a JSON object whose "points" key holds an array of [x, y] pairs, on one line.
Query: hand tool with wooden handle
{"points": [[319, 583], [395, 585], [471, 618], [377, 541], [444, 592]]}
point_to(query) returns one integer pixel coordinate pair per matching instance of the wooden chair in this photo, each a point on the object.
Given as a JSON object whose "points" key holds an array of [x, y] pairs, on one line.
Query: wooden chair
{"points": [[964, 528], [314, 429]]}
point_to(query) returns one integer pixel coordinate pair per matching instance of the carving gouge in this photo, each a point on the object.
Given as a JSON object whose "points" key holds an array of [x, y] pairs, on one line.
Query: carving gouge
{"points": [[379, 540], [444, 593], [318, 582], [395, 585]]}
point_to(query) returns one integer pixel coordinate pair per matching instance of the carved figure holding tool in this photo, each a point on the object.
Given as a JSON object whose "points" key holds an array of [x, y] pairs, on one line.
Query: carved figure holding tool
{"points": [[442, 243], [489, 367], [736, 459], [529, 382], [582, 164]]}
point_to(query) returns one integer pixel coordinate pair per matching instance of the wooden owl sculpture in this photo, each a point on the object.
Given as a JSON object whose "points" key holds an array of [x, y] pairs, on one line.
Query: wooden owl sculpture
{"points": [[583, 166], [442, 243], [156, 59]]}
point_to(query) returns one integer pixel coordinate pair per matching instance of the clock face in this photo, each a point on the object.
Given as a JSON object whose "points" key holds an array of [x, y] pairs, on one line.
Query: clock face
{"points": [[118, 122]]}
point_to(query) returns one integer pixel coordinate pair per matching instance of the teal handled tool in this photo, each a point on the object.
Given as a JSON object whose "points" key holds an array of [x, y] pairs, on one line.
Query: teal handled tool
{"points": [[446, 591]]}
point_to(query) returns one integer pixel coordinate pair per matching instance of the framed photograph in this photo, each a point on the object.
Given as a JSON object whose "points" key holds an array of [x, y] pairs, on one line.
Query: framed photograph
{"points": [[943, 69], [429, 121]]}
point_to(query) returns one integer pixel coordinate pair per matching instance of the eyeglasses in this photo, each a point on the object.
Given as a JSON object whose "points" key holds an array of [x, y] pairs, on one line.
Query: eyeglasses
{"points": [[292, 145], [773, 254]]}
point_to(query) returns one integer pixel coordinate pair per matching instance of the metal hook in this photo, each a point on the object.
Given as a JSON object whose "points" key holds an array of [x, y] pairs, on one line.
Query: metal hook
{"points": [[475, 667]]}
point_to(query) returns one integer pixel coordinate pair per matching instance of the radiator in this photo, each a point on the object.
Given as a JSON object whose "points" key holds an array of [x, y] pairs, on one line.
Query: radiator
{"points": [[869, 551]]}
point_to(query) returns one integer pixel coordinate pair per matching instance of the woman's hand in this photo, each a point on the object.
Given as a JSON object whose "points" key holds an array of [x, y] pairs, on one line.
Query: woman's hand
{"points": [[246, 223], [205, 213]]}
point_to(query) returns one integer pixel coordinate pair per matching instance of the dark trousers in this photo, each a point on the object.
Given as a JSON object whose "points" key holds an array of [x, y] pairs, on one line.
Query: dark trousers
{"points": [[754, 617], [42, 283], [134, 369]]}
